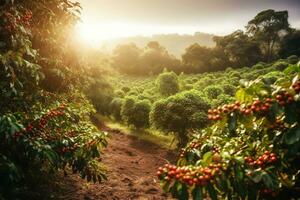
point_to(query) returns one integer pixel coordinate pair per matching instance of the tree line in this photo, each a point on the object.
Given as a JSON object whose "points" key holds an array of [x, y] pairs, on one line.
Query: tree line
{"points": [[267, 37]]}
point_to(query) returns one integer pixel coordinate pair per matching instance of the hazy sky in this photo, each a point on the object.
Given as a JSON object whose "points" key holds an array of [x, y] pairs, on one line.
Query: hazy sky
{"points": [[117, 18]]}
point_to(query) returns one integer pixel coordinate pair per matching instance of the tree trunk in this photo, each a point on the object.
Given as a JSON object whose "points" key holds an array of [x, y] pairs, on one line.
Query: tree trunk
{"points": [[182, 138]]}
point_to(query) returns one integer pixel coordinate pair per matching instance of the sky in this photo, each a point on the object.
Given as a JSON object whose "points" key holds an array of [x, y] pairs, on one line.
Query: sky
{"points": [[109, 19]]}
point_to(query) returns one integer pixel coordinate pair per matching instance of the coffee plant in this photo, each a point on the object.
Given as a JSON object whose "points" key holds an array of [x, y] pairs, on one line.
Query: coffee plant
{"points": [[45, 124], [251, 150]]}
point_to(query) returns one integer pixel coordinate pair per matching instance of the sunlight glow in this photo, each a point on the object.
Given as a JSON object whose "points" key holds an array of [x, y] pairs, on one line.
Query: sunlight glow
{"points": [[96, 33]]}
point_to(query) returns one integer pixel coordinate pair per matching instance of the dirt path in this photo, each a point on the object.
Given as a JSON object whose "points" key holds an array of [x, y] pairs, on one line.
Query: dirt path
{"points": [[132, 165]]}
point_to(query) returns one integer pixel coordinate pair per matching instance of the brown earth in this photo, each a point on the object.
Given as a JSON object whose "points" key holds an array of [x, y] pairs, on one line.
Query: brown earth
{"points": [[131, 164]]}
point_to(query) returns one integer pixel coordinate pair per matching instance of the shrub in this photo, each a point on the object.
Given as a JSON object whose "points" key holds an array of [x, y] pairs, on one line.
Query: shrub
{"points": [[179, 113], [223, 99], [251, 151], [213, 91], [140, 118], [49, 138], [293, 59], [119, 93], [167, 83], [101, 93], [133, 93], [202, 83], [272, 77], [280, 65], [229, 89], [125, 89], [234, 74], [115, 108], [136, 112], [259, 65]]}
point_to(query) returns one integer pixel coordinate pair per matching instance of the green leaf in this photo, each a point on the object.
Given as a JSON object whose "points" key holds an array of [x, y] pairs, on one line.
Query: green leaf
{"points": [[268, 181], [197, 193], [183, 193], [212, 192], [232, 122], [257, 176], [290, 114], [292, 136], [207, 158]]}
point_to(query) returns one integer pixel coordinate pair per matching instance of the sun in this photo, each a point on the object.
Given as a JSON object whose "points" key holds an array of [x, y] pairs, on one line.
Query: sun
{"points": [[96, 33]]}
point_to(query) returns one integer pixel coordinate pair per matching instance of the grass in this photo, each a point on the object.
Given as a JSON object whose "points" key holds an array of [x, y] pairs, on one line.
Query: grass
{"points": [[153, 136]]}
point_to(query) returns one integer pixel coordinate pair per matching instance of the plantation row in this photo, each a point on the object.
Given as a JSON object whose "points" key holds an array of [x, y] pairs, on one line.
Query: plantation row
{"points": [[250, 151], [45, 124], [240, 128], [176, 103]]}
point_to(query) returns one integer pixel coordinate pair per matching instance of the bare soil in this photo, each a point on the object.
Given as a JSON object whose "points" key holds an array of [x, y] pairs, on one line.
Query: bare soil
{"points": [[131, 163]]}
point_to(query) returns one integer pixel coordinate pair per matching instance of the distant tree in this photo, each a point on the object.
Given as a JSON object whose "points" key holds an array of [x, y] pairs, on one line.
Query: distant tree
{"points": [[267, 28], [239, 49], [155, 58], [126, 58], [290, 44], [167, 83], [197, 59], [179, 113]]}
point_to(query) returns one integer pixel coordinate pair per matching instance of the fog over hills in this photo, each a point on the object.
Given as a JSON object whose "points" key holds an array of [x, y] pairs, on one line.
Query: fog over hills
{"points": [[174, 43]]}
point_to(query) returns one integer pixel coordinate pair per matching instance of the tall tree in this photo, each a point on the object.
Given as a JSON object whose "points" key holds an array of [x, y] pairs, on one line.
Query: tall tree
{"points": [[290, 44], [239, 49], [197, 58], [268, 27]]}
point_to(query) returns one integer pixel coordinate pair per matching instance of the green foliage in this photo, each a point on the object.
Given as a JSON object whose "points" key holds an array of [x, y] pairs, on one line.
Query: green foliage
{"points": [[115, 108], [130, 59], [119, 93], [239, 48], [272, 77], [229, 89], [290, 44], [101, 93], [179, 113], [44, 117], [223, 99], [167, 83], [213, 91], [280, 65], [136, 112], [250, 152], [203, 82], [293, 59], [125, 89], [266, 27]]}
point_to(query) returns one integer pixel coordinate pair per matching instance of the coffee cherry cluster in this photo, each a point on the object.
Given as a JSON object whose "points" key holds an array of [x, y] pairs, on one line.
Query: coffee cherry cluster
{"points": [[69, 149], [262, 161], [284, 98], [257, 107], [192, 145], [25, 19], [215, 114], [268, 192], [14, 20], [278, 125], [38, 126], [50, 115], [10, 21], [190, 174], [296, 86]]}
